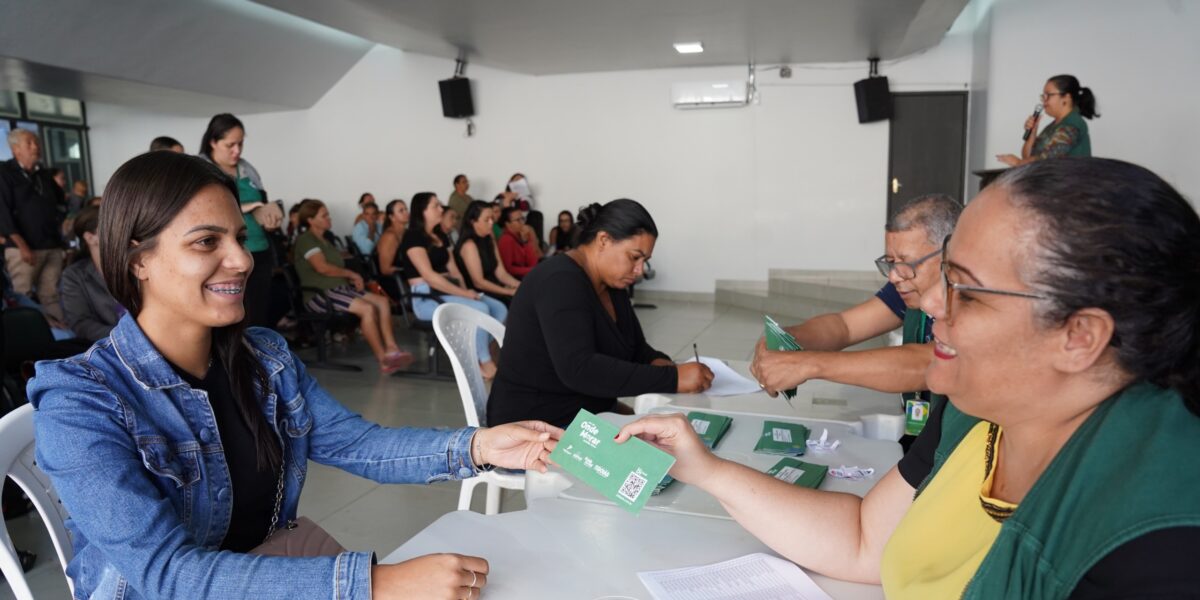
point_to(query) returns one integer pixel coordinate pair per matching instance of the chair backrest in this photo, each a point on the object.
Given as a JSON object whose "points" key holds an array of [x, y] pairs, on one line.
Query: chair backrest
{"points": [[18, 461], [455, 327]]}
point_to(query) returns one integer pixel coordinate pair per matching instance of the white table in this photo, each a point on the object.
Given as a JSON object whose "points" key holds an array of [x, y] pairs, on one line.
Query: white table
{"points": [[875, 414], [558, 549], [738, 446]]}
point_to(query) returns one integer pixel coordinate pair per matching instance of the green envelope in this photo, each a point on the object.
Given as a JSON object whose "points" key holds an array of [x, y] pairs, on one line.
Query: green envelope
{"points": [[624, 473], [778, 339], [799, 473], [710, 428], [787, 439]]}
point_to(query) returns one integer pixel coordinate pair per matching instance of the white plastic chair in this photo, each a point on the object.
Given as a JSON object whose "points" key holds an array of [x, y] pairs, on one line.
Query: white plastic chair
{"points": [[17, 460], [455, 326]]}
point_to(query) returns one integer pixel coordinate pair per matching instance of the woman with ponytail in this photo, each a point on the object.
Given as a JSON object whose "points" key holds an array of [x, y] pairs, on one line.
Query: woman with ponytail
{"points": [[573, 340], [1068, 104], [181, 441], [1064, 464]]}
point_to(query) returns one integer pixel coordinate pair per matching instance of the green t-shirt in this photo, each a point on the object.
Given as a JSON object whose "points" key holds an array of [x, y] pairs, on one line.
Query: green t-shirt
{"points": [[307, 245]]}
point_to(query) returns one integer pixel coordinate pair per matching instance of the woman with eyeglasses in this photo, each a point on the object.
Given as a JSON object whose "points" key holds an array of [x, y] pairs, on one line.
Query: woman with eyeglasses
{"points": [[1064, 466], [518, 245], [1065, 101]]}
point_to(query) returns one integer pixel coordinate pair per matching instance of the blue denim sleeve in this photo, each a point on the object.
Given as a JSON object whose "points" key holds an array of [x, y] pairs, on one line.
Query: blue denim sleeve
{"points": [[362, 239], [343, 439], [85, 448]]}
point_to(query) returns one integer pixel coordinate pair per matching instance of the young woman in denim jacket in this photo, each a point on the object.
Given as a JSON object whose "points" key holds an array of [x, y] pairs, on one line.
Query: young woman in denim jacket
{"points": [[166, 440]]}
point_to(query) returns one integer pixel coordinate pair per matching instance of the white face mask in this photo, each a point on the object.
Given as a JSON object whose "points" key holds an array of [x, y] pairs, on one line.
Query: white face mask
{"points": [[520, 187]]}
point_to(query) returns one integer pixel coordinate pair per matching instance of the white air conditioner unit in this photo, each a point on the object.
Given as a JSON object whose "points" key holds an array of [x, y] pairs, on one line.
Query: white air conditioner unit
{"points": [[710, 94]]}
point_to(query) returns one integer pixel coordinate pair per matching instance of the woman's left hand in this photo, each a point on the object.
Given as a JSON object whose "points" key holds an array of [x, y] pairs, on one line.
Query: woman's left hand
{"points": [[521, 445]]}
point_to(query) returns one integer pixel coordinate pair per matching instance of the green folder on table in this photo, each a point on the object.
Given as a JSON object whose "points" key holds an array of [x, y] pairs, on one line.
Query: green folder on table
{"points": [[779, 339], [711, 428], [784, 439], [799, 473]]}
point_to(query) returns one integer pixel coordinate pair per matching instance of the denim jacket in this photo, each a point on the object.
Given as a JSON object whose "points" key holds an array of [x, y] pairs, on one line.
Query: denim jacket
{"points": [[134, 454]]}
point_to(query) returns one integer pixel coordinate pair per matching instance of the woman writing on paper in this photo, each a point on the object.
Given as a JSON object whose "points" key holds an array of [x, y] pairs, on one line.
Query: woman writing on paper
{"points": [[1068, 340], [181, 441], [573, 340]]}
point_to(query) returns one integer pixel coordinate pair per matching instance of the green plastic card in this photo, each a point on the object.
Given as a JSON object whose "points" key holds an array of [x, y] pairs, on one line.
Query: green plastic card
{"points": [[799, 473], [786, 439], [779, 339], [624, 473]]}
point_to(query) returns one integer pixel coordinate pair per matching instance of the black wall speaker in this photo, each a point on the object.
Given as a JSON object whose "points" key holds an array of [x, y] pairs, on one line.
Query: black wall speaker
{"points": [[456, 98], [874, 99]]}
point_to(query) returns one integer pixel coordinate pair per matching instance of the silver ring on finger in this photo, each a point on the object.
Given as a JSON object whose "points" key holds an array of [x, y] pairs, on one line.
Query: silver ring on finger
{"points": [[474, 578]]}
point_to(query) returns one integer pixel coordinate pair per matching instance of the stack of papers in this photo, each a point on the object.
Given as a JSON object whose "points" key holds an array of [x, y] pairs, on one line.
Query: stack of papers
{"points": [[799, 473], [710, 428], [759, 576], [784, 439], [778, 339]]}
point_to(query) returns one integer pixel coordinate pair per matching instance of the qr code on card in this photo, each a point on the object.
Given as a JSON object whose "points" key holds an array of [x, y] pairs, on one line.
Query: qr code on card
{"points": [[632, 487]]}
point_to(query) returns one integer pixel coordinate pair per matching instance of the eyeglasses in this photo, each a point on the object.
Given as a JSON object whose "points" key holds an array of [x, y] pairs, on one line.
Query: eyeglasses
{"points": [[1046, 96], [904, 270], [948, 285]]}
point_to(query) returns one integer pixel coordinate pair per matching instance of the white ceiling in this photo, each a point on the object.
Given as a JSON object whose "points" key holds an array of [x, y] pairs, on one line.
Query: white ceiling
{"points": [[198, 57], [544, 37]]}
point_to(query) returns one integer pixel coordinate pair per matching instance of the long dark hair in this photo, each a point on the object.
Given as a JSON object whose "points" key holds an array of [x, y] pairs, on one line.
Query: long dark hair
{"points": [[391, 207], [1112, 235], [621, 219], [1083, 98], [416, 215], [218, 126], [141, 200], [466, 229]]}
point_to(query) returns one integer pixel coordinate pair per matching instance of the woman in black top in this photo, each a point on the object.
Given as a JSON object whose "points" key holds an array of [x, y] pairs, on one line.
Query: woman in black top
{"points": [[573, 340], [425, 258], [562, 236], [476, 255]]}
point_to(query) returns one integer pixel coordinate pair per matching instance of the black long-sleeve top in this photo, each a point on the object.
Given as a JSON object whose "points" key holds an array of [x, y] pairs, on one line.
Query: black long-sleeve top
{"points": [[562, 351]]}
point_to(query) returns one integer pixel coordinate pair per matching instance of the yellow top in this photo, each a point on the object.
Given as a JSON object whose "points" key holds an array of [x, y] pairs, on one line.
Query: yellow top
{"points": [[944, 536]]}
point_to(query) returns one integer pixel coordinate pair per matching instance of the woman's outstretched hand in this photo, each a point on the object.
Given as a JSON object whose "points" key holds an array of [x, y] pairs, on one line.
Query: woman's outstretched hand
{"points": [[521, 445]]}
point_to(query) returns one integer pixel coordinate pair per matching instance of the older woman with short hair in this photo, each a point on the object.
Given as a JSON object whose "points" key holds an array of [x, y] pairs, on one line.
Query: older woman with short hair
{"points": [[1067, 339]]}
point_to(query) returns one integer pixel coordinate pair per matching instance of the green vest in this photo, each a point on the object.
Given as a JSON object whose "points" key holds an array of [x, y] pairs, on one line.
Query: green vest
{"points": [[1128, 470], [1083, 145], [256, 236], [917, 405]]}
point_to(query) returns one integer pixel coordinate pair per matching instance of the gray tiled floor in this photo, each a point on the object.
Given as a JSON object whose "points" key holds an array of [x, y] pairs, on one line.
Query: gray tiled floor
{"points": [[363, 515]]}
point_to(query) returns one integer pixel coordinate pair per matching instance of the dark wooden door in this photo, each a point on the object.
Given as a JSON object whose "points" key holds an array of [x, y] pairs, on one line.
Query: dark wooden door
{"points": [[927, 151]]}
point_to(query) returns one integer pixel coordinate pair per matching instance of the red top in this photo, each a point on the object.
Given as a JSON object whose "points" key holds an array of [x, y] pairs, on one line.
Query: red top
{"points": [[519, 259]]}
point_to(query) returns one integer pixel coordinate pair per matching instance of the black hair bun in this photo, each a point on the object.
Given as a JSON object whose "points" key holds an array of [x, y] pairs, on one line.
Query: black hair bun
{"points": [[588, 215]]}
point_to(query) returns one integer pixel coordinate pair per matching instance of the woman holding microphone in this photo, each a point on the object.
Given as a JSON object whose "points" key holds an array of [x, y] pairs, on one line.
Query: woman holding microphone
{"points": [[1068, 104]]}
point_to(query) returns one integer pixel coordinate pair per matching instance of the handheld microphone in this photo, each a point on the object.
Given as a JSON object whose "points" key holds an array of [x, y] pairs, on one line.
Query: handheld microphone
{"points": [[1037, 112]]}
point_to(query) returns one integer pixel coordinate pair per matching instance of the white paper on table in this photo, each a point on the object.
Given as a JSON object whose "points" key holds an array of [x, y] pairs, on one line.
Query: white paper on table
{"points": [[726, 381], [752, 576]]}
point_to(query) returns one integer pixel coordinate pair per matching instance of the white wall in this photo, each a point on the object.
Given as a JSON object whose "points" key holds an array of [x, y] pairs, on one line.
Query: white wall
{"points": [[1141, 59], [793, 182]]}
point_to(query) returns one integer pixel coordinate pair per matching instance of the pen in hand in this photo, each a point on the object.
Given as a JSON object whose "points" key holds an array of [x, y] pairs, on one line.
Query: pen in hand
{"points": [[697, 351]]}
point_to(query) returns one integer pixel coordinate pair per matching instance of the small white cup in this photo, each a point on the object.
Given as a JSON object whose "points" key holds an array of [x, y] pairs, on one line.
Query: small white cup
{"points": [[883, 427]]}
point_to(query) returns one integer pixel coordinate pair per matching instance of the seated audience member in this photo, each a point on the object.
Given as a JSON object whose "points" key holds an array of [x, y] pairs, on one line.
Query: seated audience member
{"points": [[449, 225], [367, 229], [182, 442], [910, 263], [459, 198], [90, 310], [363, 200], [389, 240], [1063, 465], [497, 210], [518, 246], [77, 198], [425, 258], [163, 142], [521, 196], [321, 266], [572, 339], [477, 255], [562, 236]]}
